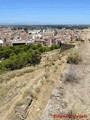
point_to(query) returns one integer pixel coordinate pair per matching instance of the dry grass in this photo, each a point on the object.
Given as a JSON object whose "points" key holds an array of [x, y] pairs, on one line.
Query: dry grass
{"points": [[74, 57], [14, 74], [4, 92], [50, 81], [20, 102], [37, 92]]}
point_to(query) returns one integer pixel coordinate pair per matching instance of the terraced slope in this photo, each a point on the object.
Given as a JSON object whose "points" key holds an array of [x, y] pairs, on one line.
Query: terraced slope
{"points": [[38, 80]]}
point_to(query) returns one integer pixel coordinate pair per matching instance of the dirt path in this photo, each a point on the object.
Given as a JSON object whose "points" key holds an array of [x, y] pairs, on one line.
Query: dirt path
{"points": [[72, 97]]}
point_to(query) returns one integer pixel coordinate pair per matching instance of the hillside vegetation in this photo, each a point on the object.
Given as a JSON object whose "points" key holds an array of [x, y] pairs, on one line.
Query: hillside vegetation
{"points": [[19, 56]]}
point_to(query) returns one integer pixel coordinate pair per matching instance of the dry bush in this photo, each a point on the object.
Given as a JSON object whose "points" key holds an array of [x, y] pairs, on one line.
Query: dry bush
{"points": [[32, 92], [46, 73], [52, 63], [46, 65], [27, 92], [1, 79], [71, 77], [37, 89], [62, 61], [59, 63], [74, 57], [20, 102], [50, 81], [56, 67], [46, 76]]}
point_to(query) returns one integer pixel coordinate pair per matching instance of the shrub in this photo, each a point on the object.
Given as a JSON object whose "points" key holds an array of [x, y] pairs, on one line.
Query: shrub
{"points": [[54, 47], [20, 102], [71, 77], [74, 57]]}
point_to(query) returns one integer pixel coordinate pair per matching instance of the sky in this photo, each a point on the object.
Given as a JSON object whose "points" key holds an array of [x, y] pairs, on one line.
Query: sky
{"points": [[44, 11]]}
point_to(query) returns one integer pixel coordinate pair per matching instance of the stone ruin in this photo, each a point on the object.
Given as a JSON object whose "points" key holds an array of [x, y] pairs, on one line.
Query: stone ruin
{"points": [[21, 111], [65, 47]]}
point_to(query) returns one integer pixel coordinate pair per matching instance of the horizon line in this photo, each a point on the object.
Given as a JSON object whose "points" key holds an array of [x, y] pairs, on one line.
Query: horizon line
{"points": [[5, 24]]}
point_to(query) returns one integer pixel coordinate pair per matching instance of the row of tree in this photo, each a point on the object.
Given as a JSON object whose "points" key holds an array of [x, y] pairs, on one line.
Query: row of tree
{"points": [[19, 56]]}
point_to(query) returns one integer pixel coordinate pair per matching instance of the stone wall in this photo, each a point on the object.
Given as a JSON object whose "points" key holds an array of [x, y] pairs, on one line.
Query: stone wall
{"points": [[65, 47], [21, 111]]}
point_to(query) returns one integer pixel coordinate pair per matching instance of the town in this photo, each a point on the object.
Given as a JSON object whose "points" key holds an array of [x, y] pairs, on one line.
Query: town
{"points": [[10, 36]]}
